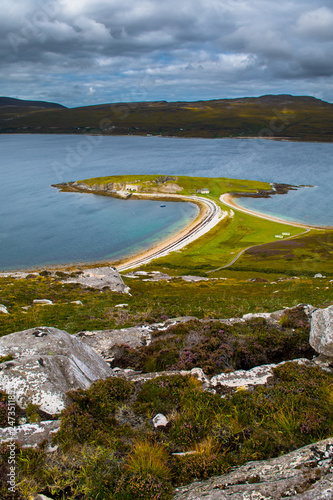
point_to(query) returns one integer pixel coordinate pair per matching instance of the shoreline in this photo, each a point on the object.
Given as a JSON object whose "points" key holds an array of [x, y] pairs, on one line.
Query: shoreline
{"points": [[209, 216], [238, 137], [229, 200]]}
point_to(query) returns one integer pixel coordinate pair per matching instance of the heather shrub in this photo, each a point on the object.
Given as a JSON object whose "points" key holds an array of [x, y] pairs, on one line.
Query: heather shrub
{"points": [[91, 414], [3, 410], [164, 394], [204, 462]]}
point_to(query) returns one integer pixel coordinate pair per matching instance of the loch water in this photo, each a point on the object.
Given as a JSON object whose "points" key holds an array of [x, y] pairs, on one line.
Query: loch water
{"points": [[40, 226]]}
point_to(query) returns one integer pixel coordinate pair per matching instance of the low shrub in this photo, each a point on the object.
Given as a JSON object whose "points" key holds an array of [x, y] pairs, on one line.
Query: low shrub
{"points": [[164, 394], [91, 414]]}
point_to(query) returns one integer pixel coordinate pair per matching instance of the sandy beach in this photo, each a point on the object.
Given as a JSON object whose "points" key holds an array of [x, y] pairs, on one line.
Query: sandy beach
{"points": [[228, 200], [210, 215]]}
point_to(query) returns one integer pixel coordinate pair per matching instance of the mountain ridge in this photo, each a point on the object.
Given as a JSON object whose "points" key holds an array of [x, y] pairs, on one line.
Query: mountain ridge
{"points": [[284, 116]]}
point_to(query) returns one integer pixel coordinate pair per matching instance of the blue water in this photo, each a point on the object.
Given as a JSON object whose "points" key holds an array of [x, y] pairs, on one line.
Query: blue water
{"points": [[41, 226]]}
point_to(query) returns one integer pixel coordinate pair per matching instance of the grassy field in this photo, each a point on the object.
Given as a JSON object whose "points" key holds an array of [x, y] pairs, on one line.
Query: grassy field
{"points": [[153, 302]]}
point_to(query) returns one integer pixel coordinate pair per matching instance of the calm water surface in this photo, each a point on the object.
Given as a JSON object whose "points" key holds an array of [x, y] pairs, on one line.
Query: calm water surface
{"points": [[40, 226]]}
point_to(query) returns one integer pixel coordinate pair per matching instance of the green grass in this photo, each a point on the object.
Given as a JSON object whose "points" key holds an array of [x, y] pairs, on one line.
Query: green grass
{"points": [[218, 247], [152, 302], [119, 462]]}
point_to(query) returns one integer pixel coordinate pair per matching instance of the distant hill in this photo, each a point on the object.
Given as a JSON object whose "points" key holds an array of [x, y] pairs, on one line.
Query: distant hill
{"points": [[19, 103], [288, 117]]}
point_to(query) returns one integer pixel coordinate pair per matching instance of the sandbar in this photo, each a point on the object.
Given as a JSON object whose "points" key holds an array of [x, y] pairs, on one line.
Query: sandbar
{"points": [[210, 215], [229, 200]]}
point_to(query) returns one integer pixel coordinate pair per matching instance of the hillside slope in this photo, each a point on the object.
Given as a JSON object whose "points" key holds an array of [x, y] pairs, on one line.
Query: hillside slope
{"points": [[281, 116]]}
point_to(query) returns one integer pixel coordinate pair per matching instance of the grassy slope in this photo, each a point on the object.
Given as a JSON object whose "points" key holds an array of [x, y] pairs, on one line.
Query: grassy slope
{"points": [[303, 118]]}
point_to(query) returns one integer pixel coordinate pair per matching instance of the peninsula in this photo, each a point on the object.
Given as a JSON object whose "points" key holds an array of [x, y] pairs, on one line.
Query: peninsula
{"points": [[214, 197]]}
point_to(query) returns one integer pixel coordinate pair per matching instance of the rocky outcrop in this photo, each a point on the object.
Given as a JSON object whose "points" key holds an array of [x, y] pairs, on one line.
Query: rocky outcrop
{"points": [[47, 363], [106, 342], [30, 435], [100, 278], [304, 474], [3, 309], [321, 334], [259, 375]]}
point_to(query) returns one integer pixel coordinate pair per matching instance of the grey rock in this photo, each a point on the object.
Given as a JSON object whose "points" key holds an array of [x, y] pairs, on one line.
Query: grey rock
{"points": [[3, 309], [47, 363], [160, 420], [43, 302], [41, 497], [138, 377], [259, 375], [99, 278], [30, 435], [106, 342], [303, 474], [194, 278], [321, 334]]}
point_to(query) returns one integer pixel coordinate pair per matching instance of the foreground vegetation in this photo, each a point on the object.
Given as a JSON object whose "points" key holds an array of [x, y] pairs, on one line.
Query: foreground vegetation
{"points": [[109, 449], [152, 302], [281, 116]]}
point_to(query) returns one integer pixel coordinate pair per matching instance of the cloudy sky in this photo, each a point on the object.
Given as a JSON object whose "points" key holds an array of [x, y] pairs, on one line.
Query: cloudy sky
{"points": [[80, 52]]}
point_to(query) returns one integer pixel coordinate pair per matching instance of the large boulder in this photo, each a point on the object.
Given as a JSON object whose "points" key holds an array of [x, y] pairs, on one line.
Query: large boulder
{"points": [[304, 474], [321, 334], [47, 363], [100, 278]]}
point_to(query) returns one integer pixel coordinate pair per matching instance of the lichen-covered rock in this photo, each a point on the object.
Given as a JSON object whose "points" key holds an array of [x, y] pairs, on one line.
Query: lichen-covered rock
{"points": [[258, 375], [160, 420], [101, 277], [106, 342], [303, 474], [30, 435], [47, 363], [321, 334]]}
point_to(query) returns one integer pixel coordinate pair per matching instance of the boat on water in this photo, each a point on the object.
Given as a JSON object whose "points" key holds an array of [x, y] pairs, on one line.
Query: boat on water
{"points": [[162, 206]]}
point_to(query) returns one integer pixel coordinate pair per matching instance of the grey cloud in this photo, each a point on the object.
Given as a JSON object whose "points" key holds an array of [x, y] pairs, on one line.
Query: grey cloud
{"points": [[190, 49], [316, 23]]}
